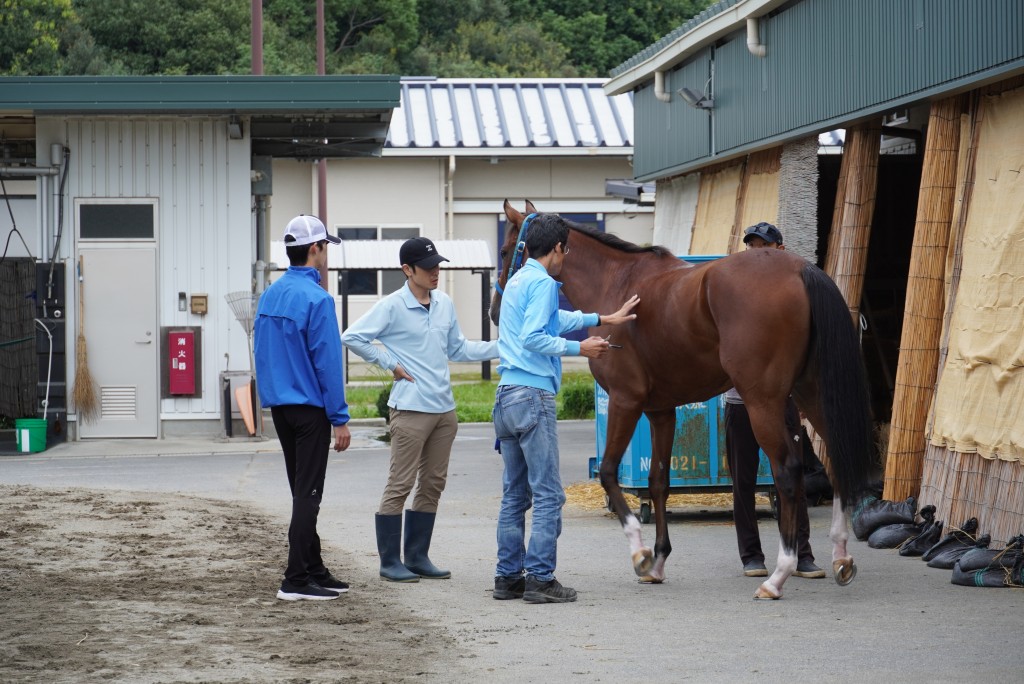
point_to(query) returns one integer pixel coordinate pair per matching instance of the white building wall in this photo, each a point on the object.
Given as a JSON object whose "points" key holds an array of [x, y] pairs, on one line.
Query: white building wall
{"points": [[205, 238], [412, 191]]}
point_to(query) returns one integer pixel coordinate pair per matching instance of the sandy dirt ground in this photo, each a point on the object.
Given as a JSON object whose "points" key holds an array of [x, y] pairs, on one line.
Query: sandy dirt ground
{"points": [[149, 587]]}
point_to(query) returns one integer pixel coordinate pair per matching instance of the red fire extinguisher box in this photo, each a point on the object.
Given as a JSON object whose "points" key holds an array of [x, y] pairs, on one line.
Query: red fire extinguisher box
{"points": [[182, 362]]}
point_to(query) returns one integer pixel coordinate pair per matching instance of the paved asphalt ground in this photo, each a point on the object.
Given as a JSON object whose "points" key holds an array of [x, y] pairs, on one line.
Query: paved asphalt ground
{"points": [[899, 620]]}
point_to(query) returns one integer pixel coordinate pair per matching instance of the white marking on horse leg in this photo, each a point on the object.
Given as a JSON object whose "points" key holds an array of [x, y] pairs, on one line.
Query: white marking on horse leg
{"points": [[839, 532], [633, 533], [641, 556], [784, 568]]}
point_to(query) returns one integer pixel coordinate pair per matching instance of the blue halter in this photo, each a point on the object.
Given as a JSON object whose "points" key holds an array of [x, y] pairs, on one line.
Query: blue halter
{"points": [[517, 256]]}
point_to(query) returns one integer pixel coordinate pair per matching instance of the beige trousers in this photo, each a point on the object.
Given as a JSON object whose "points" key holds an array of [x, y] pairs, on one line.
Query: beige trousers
{"points": [[421, 444]]}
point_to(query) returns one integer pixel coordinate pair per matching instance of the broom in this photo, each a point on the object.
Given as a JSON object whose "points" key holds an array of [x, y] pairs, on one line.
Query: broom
{"points": [[83, 394]]}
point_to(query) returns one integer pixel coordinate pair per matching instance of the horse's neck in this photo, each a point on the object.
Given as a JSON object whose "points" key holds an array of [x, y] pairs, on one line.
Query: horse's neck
{"points": [[598, 279]]}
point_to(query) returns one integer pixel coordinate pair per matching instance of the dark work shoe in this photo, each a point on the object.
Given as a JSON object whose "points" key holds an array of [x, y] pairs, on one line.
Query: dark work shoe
{"points": [[807, 568], [332, 583], [547, 592], [308, 592], [755, 568], [509, 587]]}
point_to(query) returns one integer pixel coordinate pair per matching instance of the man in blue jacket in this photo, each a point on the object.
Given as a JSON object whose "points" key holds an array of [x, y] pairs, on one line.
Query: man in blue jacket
{"points": [[419, 334], [524, 412], [300, 378]]}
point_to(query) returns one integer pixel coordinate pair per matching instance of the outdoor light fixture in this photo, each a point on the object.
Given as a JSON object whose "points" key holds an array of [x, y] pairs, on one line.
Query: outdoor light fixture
{"points": [[695, 99], [235, 128]]}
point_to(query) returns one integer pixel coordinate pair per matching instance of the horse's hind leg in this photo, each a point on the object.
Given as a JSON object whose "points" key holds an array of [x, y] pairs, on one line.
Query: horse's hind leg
{"points": [[774, 435], [843, 568], [621, 423], [663, 426]]}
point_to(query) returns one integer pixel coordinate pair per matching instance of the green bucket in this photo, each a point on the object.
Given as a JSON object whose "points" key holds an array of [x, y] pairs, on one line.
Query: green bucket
{"points": [[31, 434]]}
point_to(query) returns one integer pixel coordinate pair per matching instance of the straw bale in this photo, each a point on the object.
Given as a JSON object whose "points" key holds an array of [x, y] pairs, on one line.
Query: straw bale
{"points": [[589, 496]]}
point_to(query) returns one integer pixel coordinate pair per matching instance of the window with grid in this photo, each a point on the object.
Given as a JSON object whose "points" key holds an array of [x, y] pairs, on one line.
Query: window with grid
{"points": [[375, 282]]}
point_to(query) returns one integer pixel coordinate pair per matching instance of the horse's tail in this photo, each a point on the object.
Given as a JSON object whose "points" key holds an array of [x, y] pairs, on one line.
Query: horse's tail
{"points": [[842, 385]]}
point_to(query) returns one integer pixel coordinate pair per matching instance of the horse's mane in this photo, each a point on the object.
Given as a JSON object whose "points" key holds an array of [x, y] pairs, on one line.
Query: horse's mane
{"points": [[615, 242]]}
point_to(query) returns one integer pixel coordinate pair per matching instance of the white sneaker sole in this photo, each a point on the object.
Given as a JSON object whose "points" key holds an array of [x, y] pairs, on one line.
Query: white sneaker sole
{"points": [[287, 596], [337, 591]]}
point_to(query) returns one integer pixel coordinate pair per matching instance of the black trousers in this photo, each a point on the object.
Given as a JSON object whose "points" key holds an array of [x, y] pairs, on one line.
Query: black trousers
{"points": [[742, 453], [305, 435]]}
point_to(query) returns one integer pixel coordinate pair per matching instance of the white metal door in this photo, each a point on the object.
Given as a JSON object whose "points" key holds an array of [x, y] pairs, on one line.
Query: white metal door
{"points": [[121, 340]]}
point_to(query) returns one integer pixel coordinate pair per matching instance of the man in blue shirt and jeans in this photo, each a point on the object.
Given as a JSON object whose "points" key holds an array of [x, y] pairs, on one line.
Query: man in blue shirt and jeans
{"points": [[525, 416], [419, 332], [300, 378]]}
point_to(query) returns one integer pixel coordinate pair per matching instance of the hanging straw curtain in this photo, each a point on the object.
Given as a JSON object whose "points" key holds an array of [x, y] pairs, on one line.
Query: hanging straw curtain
{"points": [[847, 255], [716, 209], [854, 209], [988, 216], [758, 196], [922, 322], [979, 401], [798, 196]]}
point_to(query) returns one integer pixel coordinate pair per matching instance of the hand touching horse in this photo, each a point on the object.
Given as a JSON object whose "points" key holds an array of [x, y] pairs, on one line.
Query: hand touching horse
{"points": [[765, 321]]}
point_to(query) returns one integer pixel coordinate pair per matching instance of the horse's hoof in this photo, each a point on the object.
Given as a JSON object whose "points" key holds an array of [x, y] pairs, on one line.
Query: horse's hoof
{"points": [[643, 561], [844, 570], [648, 579], [766, 593]]}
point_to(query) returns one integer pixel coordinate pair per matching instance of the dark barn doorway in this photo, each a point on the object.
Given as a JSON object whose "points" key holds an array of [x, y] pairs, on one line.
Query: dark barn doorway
{"points": [[888, 264]]}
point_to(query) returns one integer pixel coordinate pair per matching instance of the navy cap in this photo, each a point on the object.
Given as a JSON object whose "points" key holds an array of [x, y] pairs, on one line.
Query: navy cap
{"points": [[765, 231]]}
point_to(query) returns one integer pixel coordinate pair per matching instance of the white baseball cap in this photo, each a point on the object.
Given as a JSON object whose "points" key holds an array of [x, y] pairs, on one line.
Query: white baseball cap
{"points": [[305, 230]]}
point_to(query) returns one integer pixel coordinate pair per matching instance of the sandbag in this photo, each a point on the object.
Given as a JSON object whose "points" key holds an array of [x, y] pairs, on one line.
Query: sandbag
{"points": [[891, 536], [979, 559], [872, 513], [962, 536], [916, 546], [996, 576], [948, 557]]}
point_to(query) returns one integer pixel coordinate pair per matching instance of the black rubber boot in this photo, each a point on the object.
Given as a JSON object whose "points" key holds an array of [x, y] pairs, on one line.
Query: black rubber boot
{"points": [[419, 527], [389, 539]]}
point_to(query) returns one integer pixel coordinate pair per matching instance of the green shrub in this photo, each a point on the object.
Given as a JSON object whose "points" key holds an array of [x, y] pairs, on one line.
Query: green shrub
{"points": [[383, 410], [577, 400]]}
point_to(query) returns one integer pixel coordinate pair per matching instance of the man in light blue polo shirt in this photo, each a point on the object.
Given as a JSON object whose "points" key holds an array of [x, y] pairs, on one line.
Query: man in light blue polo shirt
{"points": [[524, 412], [419, 332]]}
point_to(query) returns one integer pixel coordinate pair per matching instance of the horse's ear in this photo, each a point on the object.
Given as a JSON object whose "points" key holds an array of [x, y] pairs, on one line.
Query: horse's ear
{"points": [[530, 209], [513, 215]]}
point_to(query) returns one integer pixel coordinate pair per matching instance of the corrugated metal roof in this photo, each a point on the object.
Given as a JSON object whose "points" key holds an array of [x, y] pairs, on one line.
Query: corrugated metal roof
{"points": [[383, 254], [515, 116]]}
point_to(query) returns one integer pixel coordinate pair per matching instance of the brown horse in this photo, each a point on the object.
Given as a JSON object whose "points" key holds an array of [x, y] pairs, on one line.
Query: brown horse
{"points": [[764, 321]]}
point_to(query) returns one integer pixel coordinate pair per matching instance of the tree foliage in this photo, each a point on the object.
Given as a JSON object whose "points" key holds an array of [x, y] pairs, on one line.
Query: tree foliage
{"points": [[453, 38]]}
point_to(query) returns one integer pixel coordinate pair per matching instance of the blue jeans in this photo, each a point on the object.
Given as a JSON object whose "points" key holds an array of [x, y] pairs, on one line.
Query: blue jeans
{"points": [[524, 422]]}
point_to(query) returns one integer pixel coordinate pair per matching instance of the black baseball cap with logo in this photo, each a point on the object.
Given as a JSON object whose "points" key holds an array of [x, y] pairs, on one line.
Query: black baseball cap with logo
{"points": [[419, 252]]}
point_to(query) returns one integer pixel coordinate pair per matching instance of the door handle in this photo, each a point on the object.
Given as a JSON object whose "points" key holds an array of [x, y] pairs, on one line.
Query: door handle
{"points": [[143, 341]]}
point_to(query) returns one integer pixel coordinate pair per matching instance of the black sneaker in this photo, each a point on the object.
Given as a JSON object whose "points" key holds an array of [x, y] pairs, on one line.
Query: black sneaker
{"points": [[509, 587], [547, 592], [755, 568], [332, 583], [806, 568], [309, 592]]}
